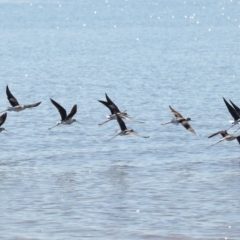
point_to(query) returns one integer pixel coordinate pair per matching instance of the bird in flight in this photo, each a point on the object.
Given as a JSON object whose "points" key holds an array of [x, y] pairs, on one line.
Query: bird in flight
{"points": [[124, 131], [178, 118], [234, 111], [113, 108], [16, 107], [2, 120], [65, 119], [225, 136]]}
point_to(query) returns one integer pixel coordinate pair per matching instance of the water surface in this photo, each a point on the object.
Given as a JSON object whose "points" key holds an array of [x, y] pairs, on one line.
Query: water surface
{"points": [[70, 183]]}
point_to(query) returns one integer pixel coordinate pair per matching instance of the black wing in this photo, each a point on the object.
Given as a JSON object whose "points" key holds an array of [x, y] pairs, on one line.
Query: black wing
{"points": [[111, 104], [72, 113], [175, 113], [238, 139], [120, 122], [223, 133], [61, 110], [231, 110], [3, 118], [107, 105], [32, 105], [235, 107], [13, 101]]}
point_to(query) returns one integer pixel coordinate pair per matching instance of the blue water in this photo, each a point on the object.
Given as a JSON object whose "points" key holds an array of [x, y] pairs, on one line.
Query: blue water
{"points": [[70, 183]]}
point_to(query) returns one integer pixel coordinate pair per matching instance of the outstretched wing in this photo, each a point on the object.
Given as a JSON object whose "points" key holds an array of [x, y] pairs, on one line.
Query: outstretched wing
{"points": [[13, 101], [32, 105], [223, 133], [72, 113], [120, 122], [235, 107], [187, 126], [60, 109], [175, 113], [111, 104], [3, 118], [231, 110], [107, 105]]}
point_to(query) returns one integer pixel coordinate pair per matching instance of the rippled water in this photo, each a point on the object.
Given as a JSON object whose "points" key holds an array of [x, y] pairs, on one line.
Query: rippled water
{"points": [[70, 183]]}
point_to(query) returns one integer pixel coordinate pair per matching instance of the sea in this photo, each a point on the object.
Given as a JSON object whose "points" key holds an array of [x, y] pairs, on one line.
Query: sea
{"points": [[70, 182]]}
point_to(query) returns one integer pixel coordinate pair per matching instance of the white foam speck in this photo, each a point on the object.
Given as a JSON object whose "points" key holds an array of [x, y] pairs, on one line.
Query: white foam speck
{"points": [[137, 211], [95, 12], [115, 26], [172, 16], [26, 75], [60, 5], [209, 30], [137, 39], [84, 25], [229, 227], [197, 22]]}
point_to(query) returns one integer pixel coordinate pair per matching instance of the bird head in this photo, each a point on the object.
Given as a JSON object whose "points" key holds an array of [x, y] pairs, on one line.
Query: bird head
{"points": [[189, 119]]}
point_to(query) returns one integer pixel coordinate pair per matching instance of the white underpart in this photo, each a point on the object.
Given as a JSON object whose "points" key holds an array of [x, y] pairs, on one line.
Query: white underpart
{"points": [[175, 121], [121, 114], [69, 121], [111, 117], [121, 133], [16, 108], [234, 122], [229, 138]]}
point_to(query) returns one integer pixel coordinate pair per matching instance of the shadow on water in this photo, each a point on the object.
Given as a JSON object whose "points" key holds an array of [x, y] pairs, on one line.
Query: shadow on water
{"points": [[118, 176], [67, 181]]}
